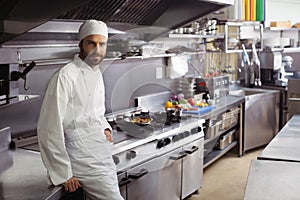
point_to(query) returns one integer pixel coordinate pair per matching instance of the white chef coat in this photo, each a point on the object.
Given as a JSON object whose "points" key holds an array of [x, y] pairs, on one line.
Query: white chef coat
{"points": [[71, 129]]}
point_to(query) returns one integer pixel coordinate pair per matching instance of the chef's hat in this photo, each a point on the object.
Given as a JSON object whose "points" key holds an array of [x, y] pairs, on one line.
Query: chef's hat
{"points": [[91, 27]]}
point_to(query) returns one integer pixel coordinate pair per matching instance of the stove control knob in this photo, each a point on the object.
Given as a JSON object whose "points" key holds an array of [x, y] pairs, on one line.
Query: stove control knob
{"points": [[175, 138], [160, 144], [130, 154], [194, 130], [181, 135], [116, 159], [199, 129], [186, 133], [167, 141]]}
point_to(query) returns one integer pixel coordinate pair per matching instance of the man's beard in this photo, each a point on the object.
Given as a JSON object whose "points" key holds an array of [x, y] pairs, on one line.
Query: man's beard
{"points": [[93, 59]]}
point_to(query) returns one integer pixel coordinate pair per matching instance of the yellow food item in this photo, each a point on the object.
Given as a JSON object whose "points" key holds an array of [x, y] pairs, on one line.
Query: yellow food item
{"points": [[141, 120], [202, 104], [168, 104]]}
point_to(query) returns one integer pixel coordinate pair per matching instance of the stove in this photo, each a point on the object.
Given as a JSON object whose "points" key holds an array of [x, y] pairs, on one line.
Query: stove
{"points": [[149, 156], [134, 144]]}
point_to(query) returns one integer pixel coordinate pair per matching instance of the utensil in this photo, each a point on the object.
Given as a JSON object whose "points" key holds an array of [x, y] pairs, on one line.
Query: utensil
{"points": [[257, 62]]}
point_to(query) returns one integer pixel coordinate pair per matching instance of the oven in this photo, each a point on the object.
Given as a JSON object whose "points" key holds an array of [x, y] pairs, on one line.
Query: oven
{"points": [[123, 181], [157, 179], [168, 164], [192, 168]]}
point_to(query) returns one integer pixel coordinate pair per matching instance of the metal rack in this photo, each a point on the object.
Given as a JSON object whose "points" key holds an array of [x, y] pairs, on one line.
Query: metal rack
{"points": [[257, 27]]}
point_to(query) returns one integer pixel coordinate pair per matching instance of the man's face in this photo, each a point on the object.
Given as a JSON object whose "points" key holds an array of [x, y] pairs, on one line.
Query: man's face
{"points": [[93, 49]]}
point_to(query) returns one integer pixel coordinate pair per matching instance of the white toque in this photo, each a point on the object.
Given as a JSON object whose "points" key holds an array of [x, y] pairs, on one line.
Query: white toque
{"points": [[92, 27]]}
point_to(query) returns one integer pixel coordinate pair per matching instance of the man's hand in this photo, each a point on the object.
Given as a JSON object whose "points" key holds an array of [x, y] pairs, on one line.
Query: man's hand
{"points": [[108, 135], [71, 185]]}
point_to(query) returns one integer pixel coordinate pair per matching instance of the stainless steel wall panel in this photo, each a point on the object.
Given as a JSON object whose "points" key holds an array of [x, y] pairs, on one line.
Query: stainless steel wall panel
{"points": [[8, 55]]}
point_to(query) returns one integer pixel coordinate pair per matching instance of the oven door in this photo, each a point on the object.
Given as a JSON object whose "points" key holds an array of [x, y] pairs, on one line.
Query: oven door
{"points": [[192, 168], [157, 179], [123, 181]]}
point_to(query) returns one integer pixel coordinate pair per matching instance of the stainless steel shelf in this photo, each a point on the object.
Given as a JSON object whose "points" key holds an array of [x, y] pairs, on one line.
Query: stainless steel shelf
{"points": [[221, 132], [214, 155], [194, 36], [282, 29]]}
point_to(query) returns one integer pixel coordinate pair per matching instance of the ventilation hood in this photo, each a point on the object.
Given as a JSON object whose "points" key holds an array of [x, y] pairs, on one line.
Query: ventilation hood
{"points": [[146, 18]]}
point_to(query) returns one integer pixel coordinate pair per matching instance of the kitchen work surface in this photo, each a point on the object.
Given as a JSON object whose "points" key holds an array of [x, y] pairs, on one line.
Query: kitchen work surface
{"points": [[272, 180], [285, 146], [26, 177], [226, 178], [199, 110]]}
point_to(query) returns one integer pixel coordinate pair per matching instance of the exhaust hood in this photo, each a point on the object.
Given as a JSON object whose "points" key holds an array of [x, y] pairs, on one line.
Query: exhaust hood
{"points": [[146, 18], [20, 16]]}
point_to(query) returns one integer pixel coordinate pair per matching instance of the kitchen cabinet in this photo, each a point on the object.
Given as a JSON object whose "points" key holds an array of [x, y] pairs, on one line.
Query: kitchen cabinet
{"points": [[262, 105], [192, 168], [157, 179], [174, 175], [232, 126]]}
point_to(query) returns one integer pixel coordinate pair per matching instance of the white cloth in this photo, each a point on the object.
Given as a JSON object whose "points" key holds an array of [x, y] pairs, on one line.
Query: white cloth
{"points": [[177, 66], [91, 27], [71, 130]]}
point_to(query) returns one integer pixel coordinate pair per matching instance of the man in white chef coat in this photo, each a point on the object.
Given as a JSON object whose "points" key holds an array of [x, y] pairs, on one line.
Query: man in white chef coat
{"points": [[74, 136]]}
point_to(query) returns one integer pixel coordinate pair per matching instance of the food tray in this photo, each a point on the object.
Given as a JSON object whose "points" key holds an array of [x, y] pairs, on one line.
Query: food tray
{"points": [[225, 140], [226, 120], [199, 110], [234, 115], [230, 118]]}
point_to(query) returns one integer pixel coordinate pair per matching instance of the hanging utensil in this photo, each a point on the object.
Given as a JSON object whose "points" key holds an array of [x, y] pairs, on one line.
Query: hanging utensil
{"points": [[257, 62], [16, 75], [246, 62]]}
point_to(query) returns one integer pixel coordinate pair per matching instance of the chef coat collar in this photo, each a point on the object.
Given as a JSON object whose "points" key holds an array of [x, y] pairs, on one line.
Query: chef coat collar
{"points": [[83, 65]]}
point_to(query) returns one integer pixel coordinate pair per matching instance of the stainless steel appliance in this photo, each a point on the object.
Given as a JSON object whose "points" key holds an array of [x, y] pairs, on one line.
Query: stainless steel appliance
{"points": [[271, 63], [21, 16], [261, 118], [161, 160], [218, 86]]}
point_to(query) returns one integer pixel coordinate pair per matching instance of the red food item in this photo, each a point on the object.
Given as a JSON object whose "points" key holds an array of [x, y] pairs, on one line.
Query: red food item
{"points": [[191, 101]]}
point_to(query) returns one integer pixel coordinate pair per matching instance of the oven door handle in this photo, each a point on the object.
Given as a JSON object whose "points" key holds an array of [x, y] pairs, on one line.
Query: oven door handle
{"points": [[192, 150], [124, 181], [179, 156], [137, 175]]}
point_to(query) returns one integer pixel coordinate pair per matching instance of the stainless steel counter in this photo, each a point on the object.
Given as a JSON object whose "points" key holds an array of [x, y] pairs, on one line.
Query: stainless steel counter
{"points": [[224, 104], [272, 180], [285, 146], [26, 178]]}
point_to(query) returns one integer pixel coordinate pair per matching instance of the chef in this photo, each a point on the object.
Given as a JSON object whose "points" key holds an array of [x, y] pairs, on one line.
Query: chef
{"points": [[74, 136]]}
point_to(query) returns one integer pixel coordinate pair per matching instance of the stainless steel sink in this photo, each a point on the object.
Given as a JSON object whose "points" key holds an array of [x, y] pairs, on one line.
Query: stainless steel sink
{"points": [[261, 122], [247, 92]]}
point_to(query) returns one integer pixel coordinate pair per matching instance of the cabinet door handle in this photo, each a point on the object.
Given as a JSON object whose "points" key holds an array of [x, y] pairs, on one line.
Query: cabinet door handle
{"points": [[124, 181], [179, 156], [137, 175], [192, 150]]}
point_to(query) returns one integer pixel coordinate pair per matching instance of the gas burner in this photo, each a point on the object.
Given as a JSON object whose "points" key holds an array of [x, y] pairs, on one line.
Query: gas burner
{"points": [[160, 122]]}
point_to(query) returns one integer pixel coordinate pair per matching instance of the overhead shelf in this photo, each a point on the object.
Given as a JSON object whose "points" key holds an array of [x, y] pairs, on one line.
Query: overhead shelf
{"points": [[281, 29], [194, 36]]}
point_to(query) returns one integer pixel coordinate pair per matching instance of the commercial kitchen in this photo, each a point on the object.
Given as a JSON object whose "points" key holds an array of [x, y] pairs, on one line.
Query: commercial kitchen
{"points": [[210, 75]]}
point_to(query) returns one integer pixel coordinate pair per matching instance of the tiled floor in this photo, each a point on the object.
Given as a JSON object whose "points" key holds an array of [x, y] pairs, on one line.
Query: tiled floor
{"points": [[226, 178]]}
